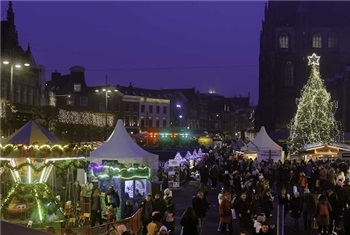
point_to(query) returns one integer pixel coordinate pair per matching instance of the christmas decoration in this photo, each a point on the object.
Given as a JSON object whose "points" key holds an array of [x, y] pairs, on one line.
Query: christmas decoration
{"points": [[314, 121], [117, 170]]}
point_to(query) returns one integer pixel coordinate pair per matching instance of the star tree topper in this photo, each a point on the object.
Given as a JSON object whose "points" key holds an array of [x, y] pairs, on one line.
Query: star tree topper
{"points": [[314, 59]]}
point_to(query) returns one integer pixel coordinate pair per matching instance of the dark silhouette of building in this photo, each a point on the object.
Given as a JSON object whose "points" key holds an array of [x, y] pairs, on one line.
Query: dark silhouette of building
{"points": [[292, 30], [22, 80]]}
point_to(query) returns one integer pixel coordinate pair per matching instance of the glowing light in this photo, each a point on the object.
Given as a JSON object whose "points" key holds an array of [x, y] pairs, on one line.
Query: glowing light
{"points": [[18, 66], [30, 178], [5, 62], [26, 64], [314, 59]]}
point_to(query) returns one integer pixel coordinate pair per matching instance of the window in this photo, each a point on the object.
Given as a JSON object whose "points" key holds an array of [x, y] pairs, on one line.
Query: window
{"points": [[317, 41], [116, 107], [83, 101], [18, 94], [70, 100], [142, 108], [31, 96], [134, 121], [164, 122], [332, 41], [164, 110], [142, 121], [127, 120], [134, 108], [151, 109], [25, 95], [126, 107], [157, 122], [157, 109], [101, 107], [77, 87], [4, 90], [284, 40], [150, 122], [289, 74]]}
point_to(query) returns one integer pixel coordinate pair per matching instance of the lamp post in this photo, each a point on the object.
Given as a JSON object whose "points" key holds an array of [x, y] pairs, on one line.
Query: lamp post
{"points": [[106, 91], [16, 65]]}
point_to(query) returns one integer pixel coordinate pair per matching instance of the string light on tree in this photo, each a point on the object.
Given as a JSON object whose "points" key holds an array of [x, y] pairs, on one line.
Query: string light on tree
{"points": [[314, 121]]}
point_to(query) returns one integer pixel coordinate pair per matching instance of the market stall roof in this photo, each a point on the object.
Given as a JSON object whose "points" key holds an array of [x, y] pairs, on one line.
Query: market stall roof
{"points": [[324, 149], [120, 146], [32, 133], [263, 141]]}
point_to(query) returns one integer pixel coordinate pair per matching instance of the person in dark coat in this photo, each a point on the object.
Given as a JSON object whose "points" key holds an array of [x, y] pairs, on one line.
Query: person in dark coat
{"points": [[243, 210], [159, 205], [189, 222], [200, 206], [283, 199], [169, 201], [112, 199], [147, 210], [294, 207], [307, 207], [266, 203], [335, 213], [96, 207], [214, 175], [266, 229]]}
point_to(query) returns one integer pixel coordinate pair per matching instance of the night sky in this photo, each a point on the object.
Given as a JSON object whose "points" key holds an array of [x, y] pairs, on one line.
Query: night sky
{"points": [[150, 44]]}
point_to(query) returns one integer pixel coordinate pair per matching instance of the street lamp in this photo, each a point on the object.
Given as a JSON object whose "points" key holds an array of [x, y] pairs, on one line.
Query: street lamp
{"points": [[16, 65], [106, 91]]}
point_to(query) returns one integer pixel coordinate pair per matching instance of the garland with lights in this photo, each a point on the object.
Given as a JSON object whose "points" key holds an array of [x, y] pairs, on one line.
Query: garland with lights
{"points": [[117, 170], [85, 118], [44, 151], [60, 165], [314, 121]]}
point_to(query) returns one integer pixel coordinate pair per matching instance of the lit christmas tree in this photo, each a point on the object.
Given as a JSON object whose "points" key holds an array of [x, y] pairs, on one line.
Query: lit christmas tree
{"points": [[314, 121]]}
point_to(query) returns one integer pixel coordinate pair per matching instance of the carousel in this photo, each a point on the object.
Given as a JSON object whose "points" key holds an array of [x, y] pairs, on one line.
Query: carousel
{"points": [[26, 168]]}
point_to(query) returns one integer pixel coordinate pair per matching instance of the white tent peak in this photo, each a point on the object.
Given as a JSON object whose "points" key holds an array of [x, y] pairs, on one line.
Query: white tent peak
{"points": [[119, 145], [263, 141]]}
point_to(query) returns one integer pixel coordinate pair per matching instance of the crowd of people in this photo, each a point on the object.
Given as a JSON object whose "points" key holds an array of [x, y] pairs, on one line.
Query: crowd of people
{"points": [[315, 192]]}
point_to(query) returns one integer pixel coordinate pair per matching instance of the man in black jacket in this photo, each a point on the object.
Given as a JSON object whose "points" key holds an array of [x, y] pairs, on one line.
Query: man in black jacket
{"points": [[200, 207], [112, 199]]}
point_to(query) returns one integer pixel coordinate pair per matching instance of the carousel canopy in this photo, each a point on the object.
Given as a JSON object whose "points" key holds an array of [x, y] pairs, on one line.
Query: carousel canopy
{"points": [[120, 146], [32, 133]]}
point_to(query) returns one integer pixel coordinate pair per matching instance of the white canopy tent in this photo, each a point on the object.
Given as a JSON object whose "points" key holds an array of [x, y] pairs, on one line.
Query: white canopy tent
{"points": [[120, 146], [266, 148]]}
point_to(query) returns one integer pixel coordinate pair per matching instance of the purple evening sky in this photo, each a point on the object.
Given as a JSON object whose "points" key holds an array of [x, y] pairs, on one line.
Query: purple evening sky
{"points": [[150, 44]]}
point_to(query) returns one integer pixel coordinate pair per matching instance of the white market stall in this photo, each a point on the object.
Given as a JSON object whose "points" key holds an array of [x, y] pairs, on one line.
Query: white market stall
{"points": [[265, 146], [124, 164]]}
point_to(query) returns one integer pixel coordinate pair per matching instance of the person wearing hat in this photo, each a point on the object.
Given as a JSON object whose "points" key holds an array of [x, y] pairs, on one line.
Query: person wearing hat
{"points": [[163, 231]]}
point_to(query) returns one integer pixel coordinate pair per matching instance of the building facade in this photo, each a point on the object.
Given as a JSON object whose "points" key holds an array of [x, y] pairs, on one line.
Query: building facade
{"points": [[22, 80], [290, 32]]}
